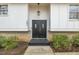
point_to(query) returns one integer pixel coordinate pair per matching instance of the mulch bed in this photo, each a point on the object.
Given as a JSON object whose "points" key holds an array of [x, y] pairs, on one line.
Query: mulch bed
{"points": [[72, 49], [19, 50], [75, 49]]}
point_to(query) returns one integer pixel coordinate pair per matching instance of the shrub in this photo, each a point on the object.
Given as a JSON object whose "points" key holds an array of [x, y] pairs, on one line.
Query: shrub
{"points": [[60, 41], [2, 40], [8, 42], [75, 40]]}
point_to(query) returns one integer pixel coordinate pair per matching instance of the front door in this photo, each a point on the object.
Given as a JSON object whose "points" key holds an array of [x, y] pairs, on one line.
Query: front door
{"points": [[39, 28]]}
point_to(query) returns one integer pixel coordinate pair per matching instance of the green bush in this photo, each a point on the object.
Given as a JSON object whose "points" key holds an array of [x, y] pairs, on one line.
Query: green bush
{"points": [[8, 42], [2, 40], [75, 40], [60, 41]]}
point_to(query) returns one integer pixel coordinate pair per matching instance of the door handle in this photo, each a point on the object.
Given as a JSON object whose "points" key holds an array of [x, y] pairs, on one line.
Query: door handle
{"points": [[35, 25], [42, 25]]}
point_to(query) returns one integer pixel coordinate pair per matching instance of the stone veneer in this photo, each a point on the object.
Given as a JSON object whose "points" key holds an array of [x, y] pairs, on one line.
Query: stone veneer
{"points": [[23, 36], [26, 36], [69, 34]]}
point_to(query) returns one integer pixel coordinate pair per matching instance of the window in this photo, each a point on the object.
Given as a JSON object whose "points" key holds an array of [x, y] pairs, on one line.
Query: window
{"points": [[74, 12], [3, 9]]}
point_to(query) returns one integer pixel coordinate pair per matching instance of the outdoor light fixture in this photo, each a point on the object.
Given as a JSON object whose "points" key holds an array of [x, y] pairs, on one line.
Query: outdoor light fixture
{"points": [[38, 11]]}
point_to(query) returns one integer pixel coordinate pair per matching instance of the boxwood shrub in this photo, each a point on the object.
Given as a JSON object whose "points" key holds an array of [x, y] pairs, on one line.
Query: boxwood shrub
{"points": [[60, 41], [8, 42], [75, 40]]}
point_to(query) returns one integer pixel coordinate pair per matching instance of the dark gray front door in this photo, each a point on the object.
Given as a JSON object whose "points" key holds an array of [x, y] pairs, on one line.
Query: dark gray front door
{"points": [[39, 28]]}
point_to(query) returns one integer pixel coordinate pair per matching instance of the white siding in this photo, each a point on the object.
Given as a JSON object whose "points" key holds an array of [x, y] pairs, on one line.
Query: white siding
{"points": [[16, 20], [54, 11], [60, 21]]}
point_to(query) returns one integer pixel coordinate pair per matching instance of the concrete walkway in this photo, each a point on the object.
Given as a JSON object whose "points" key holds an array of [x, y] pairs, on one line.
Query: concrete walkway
{"points": [[39, 50]]}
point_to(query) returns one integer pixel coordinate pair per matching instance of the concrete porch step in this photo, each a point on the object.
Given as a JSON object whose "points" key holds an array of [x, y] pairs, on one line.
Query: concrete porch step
{"points": [[39, 42]]}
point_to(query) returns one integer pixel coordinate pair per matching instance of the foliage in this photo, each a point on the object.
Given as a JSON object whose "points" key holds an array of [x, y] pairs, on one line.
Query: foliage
{"points": [[60, 41], [2, 40], [8, 42], [75, 40]]}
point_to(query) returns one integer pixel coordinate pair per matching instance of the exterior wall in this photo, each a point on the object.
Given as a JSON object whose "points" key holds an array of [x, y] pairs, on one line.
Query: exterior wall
{"points": [[59, 20], [26, 36], [23, 36], [69, 34], [16, 22], [44, 11], [17, 18]]}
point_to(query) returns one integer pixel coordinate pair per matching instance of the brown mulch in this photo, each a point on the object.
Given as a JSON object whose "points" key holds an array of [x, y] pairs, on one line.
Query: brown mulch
{"points": [[19, 50], [75, 49]]}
